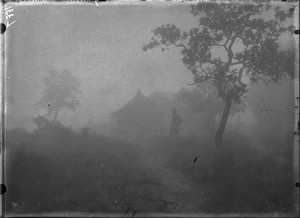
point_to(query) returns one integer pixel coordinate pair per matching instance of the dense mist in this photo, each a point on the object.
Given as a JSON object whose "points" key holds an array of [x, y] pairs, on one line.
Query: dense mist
{"points": [[106, 115]]}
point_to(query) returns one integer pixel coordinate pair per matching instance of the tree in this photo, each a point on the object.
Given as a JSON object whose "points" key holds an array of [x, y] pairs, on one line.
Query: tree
{"points": [[233, 46], [203, 99], [60, 92]]}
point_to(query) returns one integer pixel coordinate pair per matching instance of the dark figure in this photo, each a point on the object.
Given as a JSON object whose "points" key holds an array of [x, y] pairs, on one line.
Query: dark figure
{"points": [[176, 121]]}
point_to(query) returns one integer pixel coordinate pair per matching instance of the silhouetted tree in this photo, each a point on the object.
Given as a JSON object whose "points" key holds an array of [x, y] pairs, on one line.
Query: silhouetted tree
{"points": [[60, 92], [234, 45], [203, 99]]}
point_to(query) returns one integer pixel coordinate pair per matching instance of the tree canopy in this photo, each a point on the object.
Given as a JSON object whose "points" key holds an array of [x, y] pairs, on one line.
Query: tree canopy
{"points": [[234, 45], [61, 89], [203, 99], [244, 32]]}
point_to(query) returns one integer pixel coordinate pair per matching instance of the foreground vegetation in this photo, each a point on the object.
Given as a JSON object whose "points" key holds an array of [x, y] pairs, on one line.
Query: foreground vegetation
{"points": [[239, 177], [54, 169]]}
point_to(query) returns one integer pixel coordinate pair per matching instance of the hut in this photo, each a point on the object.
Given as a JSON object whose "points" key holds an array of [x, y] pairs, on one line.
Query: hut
{"points": [[138, 119]]}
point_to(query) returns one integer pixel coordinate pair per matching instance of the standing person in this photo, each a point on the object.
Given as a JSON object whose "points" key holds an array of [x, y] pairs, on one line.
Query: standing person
{"points": [[176, 121]]}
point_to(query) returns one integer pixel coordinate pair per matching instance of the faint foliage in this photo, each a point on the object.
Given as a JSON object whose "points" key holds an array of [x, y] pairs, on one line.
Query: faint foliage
{"points": [[222, 27], [202, 98], [40, 121], [61, 90], [233, 46]]}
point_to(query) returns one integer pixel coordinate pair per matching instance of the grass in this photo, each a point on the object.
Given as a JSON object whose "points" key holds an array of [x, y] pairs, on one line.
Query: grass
{"points": [[239, 178], [54, 169]]}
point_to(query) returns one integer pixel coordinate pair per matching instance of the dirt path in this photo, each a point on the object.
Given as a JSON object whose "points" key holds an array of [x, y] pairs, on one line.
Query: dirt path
{"points": [[183, 194]]}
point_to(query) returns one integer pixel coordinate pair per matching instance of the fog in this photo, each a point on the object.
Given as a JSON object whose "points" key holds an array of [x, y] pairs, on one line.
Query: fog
{"points": [[90, 114], [98, 47]]}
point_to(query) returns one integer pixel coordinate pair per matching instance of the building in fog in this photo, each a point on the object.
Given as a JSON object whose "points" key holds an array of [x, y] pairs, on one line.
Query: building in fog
{"points": [[145, 117], [142, 117]]}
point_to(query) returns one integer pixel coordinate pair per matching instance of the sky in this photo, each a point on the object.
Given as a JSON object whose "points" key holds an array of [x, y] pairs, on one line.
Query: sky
{"points": [[100, 45]]}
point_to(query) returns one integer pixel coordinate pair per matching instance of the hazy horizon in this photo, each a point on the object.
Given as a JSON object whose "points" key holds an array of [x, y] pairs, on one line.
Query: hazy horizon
{"points": [[110, 64]]}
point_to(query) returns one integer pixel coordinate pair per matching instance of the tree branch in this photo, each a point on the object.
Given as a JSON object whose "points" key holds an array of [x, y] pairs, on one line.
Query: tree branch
{"points": [[240, 76], [172, 43], [180, 45], [198, 80], [203, 69], [236, 63], [221, 45], [229, 49], [226, 42]]}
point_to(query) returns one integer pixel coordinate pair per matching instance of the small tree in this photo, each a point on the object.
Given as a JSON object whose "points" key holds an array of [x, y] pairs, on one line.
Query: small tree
{"points": [[234, 45], [60, 92]]}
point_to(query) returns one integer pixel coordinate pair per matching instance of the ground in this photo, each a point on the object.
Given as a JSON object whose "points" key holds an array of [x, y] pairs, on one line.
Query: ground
{"points": [[181, 193]]}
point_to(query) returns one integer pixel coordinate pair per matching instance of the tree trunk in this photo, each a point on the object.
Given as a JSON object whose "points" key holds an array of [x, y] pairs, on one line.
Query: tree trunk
{"points": [[213, 125], [221, 129]]}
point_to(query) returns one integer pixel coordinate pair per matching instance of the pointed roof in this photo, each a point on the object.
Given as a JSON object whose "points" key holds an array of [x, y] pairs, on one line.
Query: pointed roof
{"points": [[138, 101], [139, 94]]}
